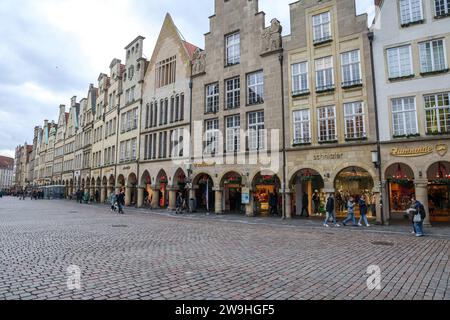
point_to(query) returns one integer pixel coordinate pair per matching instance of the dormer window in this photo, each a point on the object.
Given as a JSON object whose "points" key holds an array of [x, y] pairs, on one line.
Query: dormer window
{"points": [[322, 28], [233, 49]]}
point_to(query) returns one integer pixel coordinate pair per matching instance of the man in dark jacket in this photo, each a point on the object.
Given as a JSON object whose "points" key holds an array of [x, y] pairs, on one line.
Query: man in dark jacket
{"points": [[121, 201], [305, 202], [330, 207]]}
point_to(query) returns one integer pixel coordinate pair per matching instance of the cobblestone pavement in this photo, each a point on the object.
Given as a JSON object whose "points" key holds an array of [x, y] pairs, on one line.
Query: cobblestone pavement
{"points": [[161, 256]]}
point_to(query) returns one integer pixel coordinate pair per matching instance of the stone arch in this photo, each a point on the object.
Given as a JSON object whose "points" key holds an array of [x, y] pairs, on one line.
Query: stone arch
{"points": [[179, 177], [343, 166], [121, 181], [223, 177], [411, 167], [438, 175], [161, 177], [307, 191], [231, 187], [145, 179], [132, 180], [400, 188], [203, 184], [266, 187]]}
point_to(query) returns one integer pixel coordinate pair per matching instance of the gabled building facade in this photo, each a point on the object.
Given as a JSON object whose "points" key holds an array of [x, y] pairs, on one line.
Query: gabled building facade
{"points": [[164, 145], [411, 43], [330, 132], [237, 101]]}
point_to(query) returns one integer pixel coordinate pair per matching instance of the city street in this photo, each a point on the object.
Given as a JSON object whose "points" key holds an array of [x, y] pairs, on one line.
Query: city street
{"points": [[156, 255]]}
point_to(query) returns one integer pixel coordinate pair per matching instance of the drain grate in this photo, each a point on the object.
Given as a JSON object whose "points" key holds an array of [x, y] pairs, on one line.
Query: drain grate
{"points": [[119, 226], [383, 243], [73, 211]]}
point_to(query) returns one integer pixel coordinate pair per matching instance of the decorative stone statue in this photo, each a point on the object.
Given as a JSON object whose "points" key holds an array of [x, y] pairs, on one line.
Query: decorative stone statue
{"points": [[271, 37], [199, 62]]}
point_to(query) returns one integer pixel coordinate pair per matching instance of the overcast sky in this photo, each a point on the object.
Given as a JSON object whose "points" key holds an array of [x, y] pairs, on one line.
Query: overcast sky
{"points": [[52, 49]]}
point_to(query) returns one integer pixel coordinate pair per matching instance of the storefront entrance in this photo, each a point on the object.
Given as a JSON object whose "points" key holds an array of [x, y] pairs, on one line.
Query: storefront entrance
{"points": [[400, 178], [307, 186], [232, 190], [204, 194], [439, 191], [353, 182], [266, 197]]}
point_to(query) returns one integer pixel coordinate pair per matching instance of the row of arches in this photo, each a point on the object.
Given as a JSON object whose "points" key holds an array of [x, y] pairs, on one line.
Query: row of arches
{"points": [[307, 188]]}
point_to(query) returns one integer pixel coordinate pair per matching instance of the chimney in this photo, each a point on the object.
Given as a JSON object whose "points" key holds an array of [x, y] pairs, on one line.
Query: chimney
{"points": [[73, 101], [62, 108], [45, 123]]}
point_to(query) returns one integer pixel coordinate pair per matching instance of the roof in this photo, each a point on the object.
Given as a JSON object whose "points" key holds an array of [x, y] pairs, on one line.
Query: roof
{"points": [[6, 162], [190, 48]]}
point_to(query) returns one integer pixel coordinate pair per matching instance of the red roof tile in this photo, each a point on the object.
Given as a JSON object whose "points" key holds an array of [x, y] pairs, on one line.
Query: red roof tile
{"points": [[6, 162], [190, 48]]}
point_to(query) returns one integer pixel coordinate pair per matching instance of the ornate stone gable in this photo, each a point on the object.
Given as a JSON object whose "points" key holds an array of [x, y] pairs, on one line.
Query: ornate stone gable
{"points": [[271, 37]]}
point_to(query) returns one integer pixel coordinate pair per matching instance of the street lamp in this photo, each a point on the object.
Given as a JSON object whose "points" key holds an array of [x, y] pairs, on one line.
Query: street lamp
{"points": [[375, 159]]}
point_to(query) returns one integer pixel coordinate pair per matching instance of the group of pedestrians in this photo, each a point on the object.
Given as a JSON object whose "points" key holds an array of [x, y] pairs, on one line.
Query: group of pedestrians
{"points": [[417, 213], [331, 212], [117, 201]]}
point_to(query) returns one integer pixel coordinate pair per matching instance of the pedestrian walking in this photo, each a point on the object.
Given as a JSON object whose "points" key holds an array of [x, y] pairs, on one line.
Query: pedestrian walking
{"points": [[97, 196], [179, 203], [305, 205], [350, 213], [112, 200], [419, 217], [363, 211], [316, 201], [121, 201], [330, 208]]}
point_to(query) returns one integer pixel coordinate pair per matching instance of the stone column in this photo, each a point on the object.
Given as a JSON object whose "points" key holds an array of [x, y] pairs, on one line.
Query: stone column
{"points": [[385, 210], [172, 199], [127, 196], [218, 200], [103, 194], [422, 196], [249, 208], [288, 196], [140, 197], [192, 196], [155, 198]]}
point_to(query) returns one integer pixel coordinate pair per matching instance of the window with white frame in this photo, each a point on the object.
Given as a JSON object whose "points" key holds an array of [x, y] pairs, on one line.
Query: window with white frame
{"points": [[437, 110], [351, 68], [442, 8], [410, 11], [256, 131], [233, 49], [212, 98], [326, 117], [233, 93], [322, 27], [404, 117], [212, 136], [354, 120], [233, 124], [399, 62], [302, 126], [255, 88], [300, 78], [324, 74], [432, 56]]}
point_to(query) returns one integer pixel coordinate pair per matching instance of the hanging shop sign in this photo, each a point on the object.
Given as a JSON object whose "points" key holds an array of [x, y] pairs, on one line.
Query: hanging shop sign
{"points": [[245, 196], [412, 152]]}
